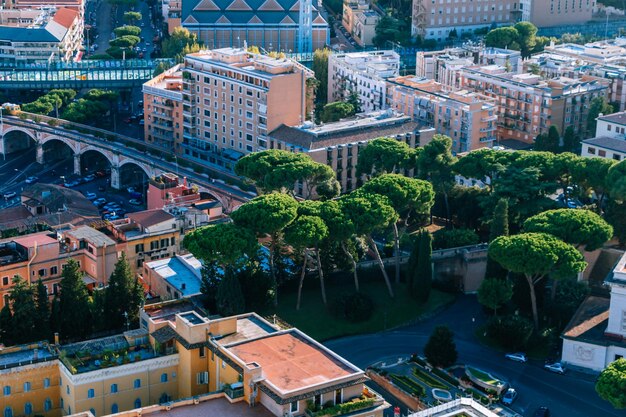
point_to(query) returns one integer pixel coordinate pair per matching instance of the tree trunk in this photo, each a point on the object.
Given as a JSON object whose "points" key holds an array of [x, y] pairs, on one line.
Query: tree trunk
{"points": [[349, 255], [396, 248], [320, 272], [447, 204], [272, 271], [381, 265], [533, 301], [302, 274]]}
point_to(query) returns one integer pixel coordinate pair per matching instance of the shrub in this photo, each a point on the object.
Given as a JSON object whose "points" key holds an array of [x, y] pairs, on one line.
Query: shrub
{"points": [[511, 332], [454, 238], [354, 307]]}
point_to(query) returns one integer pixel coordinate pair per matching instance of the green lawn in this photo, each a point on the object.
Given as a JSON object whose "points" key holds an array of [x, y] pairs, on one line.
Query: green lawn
{"points": [[316, 320]]}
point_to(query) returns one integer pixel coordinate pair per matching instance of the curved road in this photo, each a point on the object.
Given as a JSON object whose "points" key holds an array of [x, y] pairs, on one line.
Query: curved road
{"points": [[570, 395]]}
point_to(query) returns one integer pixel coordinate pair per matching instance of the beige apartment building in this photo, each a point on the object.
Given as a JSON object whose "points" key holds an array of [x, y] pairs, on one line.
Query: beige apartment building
{"points": [[360, 21], [179, 357], [163, 110], [232, 99], [546, 13], [528, 104], [338, 144], [467, 117]]}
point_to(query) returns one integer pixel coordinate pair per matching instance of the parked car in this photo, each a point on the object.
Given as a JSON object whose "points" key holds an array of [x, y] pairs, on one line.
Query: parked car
{"points": [[542, 412], [100, 202], [517, 357], [131, 190], [91, 196], [142, 122], [134, 202], [509, 396], [71, 183], [556, 367], [10, 194], [31, 180], [89, 178], [111, 217]]}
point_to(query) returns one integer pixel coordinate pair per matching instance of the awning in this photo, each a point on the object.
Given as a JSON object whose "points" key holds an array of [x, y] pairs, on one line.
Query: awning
{"points": [[88, 280], [232, 154]]}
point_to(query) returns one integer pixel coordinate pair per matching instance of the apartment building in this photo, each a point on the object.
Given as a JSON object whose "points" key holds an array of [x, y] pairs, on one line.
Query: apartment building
{"points": [[178, 357], [274, 25], [172, 12], [528, 104], [444, 66], [172, 278], [546, 13], [232, 99], [43, 255], [435, 19], [467, 117], [163, 109], [363, 73], [146, 236], [338, 144], [359, 21], [610, 138], [56, 34]]}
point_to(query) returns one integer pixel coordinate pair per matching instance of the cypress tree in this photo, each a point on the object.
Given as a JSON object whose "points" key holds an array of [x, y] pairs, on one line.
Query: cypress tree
{"points": [[229, 296], [43, 311], [499, 227], [423, 272], [123, 296], [6, 325], [24, 311], [74, 315]]}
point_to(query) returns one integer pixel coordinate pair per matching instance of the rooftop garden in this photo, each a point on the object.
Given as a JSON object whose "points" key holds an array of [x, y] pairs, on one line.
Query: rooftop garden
{"points": [[86, 361], [367, 400]]}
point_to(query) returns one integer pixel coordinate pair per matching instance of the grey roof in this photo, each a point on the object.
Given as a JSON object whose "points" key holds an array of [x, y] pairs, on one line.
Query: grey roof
{"points": [[619, 118], [95, 237], [23, 34], [312, 139], [613, 144]]}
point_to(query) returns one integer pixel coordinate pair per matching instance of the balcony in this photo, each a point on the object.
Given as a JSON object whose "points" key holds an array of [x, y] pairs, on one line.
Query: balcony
{"points": [[368, 400]]}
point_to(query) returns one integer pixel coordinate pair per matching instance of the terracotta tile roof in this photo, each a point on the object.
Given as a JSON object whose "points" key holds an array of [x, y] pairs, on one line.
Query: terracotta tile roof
{"points": [[30, 241], [65, 17], [591, 313], [149, 218]]}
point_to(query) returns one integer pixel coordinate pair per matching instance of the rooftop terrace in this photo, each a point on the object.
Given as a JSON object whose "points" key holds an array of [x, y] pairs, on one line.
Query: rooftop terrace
{"points": [[25, 355]]}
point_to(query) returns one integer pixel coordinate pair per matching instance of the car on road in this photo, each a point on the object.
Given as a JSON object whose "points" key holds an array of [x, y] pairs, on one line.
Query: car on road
{"points": [[31, 180], [91, 196], [556, 367], [71, 183], [517, 357], [542, 412], [509, 396], [89, 178], [142, 122], [10, 194], [134, 202]]}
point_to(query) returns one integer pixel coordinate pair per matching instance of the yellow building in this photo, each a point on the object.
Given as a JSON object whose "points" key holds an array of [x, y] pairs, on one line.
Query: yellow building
{"points": [[178, 358]]}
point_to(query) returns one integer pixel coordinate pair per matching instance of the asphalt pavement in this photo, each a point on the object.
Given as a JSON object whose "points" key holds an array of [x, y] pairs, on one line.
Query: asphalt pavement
{"points": [[569, 395]]}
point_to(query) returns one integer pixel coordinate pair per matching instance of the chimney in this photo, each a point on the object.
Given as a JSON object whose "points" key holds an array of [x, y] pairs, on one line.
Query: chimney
{"points": [[56, 338], [185, 181]]}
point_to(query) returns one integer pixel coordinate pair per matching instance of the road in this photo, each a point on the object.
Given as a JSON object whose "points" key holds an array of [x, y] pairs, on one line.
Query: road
{"points": [[569, 395]]}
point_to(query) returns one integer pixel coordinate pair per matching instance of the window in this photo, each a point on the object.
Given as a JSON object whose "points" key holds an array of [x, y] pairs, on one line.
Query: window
{"points": [[201, 351], [202, 378], [5, 281], [91, 393], [8, 412], [163, 377], [47, 405], [317, 400], [26, 386], [6, 390], [67, 389], [172, 241], [46, 382], [293, 407], [601, 153], [154, 245], [113, 388], [591, 151], [54, 270], [137, 383], [114, 408], [42, 272], [139, 248], [28, 409], [338, 396], [164, 243], [138, 403]]}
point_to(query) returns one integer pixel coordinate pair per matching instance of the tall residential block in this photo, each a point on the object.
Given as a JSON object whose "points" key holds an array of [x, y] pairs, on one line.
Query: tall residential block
{"points": [[231, 100], [470, 119], [274, 25], [363, 74], [528, 104]]}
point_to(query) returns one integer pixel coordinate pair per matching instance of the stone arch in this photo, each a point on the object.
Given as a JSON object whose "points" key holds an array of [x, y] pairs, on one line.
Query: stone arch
{"points": [[14, 143], [74, 146], [106, 155], [148, 170], [44, 149]]}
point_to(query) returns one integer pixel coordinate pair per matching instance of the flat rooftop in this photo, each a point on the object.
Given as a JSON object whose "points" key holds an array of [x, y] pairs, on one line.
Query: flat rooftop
{"points": [[39, 239], [217, 407], [24, 357], [93, 236], [182, 273], [291, 362], [249, 327], [167, 311]]}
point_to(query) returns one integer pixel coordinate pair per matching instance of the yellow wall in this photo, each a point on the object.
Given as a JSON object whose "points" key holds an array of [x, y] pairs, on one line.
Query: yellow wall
{"points": [[35, 375]]}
